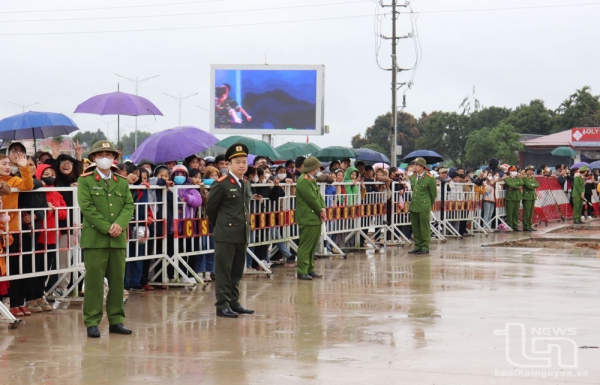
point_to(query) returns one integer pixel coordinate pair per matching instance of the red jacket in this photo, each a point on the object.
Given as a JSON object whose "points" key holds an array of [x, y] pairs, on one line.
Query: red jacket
{"points": [[56, 199]]}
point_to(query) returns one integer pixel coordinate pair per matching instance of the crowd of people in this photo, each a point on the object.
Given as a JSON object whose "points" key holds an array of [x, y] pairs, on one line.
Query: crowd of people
{"points": [[43, 226]]}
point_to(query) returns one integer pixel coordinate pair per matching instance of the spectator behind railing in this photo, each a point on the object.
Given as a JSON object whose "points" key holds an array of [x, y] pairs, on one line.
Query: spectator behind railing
{"points": [[10, 203]]}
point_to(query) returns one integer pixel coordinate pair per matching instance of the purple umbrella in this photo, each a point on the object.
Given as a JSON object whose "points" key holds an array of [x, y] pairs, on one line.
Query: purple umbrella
{"points": [[579, 164], [118, 103], [173, 144]]}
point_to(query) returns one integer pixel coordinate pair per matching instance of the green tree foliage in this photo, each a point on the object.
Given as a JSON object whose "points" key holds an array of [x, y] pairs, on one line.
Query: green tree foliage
{"points": [[534, 118], [502, 142], [380, 132], [445, 133], [581, 109], [88, 138], [376, 147], [128, 141]]}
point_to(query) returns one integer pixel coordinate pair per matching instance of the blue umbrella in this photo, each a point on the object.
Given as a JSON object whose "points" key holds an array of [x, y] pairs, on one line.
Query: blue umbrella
{"points": [[579, 164], [366, 154], [429, 156], [173, 144], [594, 165], [35, 125]]}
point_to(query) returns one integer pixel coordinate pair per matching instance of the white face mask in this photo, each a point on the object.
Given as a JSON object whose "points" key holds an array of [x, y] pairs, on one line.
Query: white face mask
{"points": [[104, 163], [490, 177], [281, 176], [410, 173], [267, 176], [513, 174], [255, 179], [319, 173]]}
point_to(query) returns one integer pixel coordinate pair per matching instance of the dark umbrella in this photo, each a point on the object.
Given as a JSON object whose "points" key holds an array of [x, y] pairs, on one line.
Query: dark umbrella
{"points": [[335, 153], [255, 146], [35, 125], [366, 154], [429, 156], [118, 103], [173, 144]]}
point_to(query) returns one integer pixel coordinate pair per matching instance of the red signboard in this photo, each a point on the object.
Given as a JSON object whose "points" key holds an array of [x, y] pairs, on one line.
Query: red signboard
{"points": [[585, 134]]}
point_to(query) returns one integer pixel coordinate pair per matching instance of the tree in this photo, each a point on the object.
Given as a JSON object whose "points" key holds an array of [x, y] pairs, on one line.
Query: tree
{"points": [[375, 147], [381, 131], [534, 118], [128, 141], [581, 109], [502, 142], [445, 133], [479, 147], [88, 138]]}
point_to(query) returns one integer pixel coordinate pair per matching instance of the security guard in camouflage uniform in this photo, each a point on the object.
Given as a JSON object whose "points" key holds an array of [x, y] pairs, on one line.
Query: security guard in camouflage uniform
{"points": [[424, 192], [228, 210], [578, 194], [310, 214], [107, 207], [514, 196], [529, 197]]}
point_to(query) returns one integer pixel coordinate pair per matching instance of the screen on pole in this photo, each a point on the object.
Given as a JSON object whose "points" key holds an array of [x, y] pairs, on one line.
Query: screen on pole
{"points": [[266, 99]]}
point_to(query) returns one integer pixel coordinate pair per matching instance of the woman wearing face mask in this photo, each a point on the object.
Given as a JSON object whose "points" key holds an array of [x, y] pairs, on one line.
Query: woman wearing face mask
{"points": [[137, 229], [10, 202], [489, 198], [268, 198], [210, 175], [514, 196], [188, 201]]}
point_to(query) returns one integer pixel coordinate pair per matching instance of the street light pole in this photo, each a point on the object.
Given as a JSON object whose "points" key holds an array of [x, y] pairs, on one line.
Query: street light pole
{"points": [[136, 82], [180, 99], [23, 106]]}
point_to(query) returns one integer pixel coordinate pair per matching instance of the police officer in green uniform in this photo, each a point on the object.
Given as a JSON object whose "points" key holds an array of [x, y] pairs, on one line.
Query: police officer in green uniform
{"points": [[107, 207], [228, 210], [310, 214], [514, 196], [578, 194], [424, 192], [529, 197]]}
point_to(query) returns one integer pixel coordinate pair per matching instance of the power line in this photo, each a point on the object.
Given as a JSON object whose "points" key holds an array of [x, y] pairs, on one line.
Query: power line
{"points": [[106, 8], [184, 28], [511, 8], [186, 13]]}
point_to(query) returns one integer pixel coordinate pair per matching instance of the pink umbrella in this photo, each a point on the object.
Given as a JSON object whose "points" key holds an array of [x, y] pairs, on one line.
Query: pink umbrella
{"points": [[380, 165]]}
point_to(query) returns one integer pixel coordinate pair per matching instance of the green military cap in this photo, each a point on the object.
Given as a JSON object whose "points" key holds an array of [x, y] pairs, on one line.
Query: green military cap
{"points": [[102, 146], [235, 150], [420, 161], [530, 167], [310, 164], [583, 168]]}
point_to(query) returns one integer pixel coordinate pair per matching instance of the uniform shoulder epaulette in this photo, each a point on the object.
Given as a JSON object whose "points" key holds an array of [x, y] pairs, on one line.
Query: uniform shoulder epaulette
{"points": [[124, 177], [87, 174], [428, 174], [305, 176], [222, 178]]}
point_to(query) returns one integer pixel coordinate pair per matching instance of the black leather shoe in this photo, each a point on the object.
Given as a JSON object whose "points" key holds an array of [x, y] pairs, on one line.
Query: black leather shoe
{"points": [[423, 252], [414, 251], [517, 230], [315, 275], [305, 277], [241, 310], [93, 332], [119, 329], [227, 313]]}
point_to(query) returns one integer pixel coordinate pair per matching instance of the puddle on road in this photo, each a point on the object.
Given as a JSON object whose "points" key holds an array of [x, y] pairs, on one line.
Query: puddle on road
{"points": [[544, 243]]}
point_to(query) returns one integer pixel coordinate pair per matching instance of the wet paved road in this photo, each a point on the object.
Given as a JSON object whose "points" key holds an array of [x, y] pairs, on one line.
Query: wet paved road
{"points": [[376, 318]]}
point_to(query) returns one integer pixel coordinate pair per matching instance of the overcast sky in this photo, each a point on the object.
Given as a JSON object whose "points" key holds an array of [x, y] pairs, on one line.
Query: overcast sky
{"points": [[60, 53]]}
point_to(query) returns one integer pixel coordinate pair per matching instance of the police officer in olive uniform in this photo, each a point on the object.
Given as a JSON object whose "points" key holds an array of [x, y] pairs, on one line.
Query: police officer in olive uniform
{"points": [[529, 197], [228, 210], [578, 194], [310, 214], [514, 196], [107, 207], [424, 192]]}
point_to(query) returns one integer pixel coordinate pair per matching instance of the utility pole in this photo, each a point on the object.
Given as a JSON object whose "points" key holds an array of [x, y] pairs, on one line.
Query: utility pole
{"points": [[24, 106], [395, 69], [136, 82], [180, 99]]}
